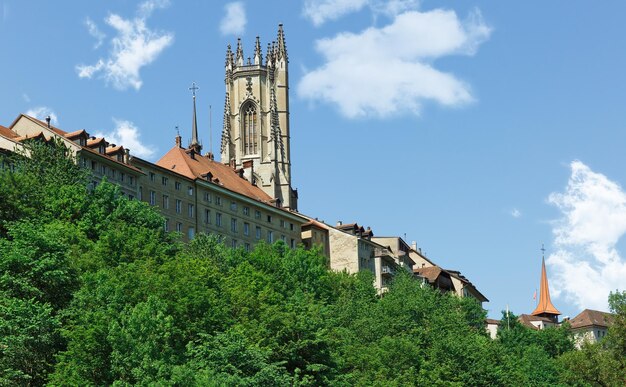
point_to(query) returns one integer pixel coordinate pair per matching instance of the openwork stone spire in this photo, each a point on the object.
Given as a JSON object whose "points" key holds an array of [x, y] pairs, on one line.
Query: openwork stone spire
{"points": [[280, 42]]}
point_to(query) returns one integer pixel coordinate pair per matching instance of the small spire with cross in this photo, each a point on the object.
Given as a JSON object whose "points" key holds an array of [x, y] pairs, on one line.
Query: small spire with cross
{"points": [[543, 250], [195, 144]]}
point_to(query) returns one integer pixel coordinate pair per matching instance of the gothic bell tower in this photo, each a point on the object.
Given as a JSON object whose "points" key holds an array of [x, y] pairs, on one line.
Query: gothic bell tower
{"points": [[255, 136]]}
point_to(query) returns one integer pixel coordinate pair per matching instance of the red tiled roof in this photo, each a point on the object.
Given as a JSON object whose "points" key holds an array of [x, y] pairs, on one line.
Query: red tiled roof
{"points": [[589, 317], [68, 135], [526, 319], [95, 141], [180, 161], [6, 132], [430, 273], [76, 133]]}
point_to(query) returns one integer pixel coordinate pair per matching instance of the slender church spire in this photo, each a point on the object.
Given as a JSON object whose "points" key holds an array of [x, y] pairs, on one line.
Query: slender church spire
{"points": [[545, 308], [195, 145]]}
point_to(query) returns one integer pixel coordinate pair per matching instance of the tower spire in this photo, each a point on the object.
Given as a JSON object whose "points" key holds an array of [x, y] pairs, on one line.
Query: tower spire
{"points": [[239, 57], [545, 308], [195, 145], [280, 41], [225, 146], [258, 57]]}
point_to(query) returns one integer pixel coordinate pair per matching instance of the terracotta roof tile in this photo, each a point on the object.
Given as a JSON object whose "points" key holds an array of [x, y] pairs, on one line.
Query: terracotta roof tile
{"points": [[180, 161], [589, 317], [6, 132], [430, 273]]}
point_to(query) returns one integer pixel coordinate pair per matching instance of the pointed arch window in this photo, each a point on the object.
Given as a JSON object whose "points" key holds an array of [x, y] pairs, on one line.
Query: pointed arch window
{"points": [[250, 129]]}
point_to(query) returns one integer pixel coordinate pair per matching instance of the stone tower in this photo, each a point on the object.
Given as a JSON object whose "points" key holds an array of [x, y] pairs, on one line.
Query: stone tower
{"points": [[255, 136]]}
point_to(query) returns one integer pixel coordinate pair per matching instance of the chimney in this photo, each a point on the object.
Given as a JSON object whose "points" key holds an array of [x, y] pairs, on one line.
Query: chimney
{"points": [[48, 121], [339, 223], [126, 156], [248, 168], [414, 245], [210, 156]]}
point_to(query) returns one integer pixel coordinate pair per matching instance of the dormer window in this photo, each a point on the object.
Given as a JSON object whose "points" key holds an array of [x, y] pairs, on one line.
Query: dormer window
{"points": [[101, 149]]}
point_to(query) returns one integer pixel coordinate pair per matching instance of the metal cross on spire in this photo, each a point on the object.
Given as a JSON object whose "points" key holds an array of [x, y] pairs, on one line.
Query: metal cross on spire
{"points": [[193, 89], [543, 250]]}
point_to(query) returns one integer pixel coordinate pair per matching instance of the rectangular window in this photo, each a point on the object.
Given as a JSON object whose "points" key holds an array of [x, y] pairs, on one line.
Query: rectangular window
{"points": [[233, 225], [233, 243], [218, 219], [140, 192], [257, 214], [246, 211], [179, 227], [282, 223], [246, 229], [166, 225], [191, 233], [269, 219], [293, 243], [190, 190], [122, 177], [233, 206], [131, 180], [283, 238], [258, 232], [291, 226], [207, 216], [179, 206], [207, 197], [164, 180], [190, 210], [166, 202], [270, 236], [247, 246], [177, 186], [152, 176], [152, 198], [93, 165], [218, 200]]}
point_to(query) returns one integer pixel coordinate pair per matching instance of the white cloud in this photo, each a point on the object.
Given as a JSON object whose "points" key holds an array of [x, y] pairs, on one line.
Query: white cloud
{"points": [[41, 112], [234, 21], [587, 265], [388, 70], [320, 11], [127, 134], [25, 97], [516, 213], [134, 47], [95, 32]]}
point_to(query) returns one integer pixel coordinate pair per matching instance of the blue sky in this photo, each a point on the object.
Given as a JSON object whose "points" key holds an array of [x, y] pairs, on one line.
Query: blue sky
{"points": [[480, 130]]}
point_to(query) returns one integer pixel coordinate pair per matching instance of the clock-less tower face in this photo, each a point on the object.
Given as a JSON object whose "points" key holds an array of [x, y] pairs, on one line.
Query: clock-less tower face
{"points": [[255, 136]]}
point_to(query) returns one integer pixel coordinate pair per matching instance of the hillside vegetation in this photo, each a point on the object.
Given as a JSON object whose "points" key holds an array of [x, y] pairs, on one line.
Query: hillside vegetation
{"points": [[94, 292]]}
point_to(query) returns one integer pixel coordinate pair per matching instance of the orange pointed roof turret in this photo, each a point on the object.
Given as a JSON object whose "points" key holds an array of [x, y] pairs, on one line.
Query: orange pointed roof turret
{"points": [[545, 308]]}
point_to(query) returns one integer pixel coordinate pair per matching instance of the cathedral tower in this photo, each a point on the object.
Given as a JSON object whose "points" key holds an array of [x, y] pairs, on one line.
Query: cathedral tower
{"points": [[255, 136]]}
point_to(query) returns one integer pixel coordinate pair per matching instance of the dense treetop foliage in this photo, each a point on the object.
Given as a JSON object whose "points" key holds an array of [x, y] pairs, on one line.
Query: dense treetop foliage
{"points": [[94, 292]]}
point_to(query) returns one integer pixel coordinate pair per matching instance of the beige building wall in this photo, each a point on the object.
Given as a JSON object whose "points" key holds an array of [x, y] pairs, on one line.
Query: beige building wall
{"points": [[192, 206]]}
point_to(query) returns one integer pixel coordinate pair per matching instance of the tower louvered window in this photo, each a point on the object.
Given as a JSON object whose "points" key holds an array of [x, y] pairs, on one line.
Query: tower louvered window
{"points": [[250, 128]]}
